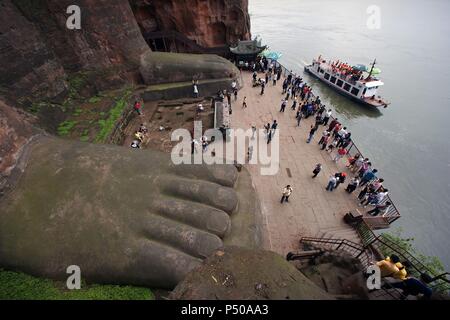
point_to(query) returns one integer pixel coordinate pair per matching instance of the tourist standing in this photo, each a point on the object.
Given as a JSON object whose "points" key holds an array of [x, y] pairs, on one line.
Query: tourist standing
{"points": [[327, 117], [138, 107], [250, 153], [253, 131], [244, 103], [283, 105], [299, 117], [311, 133], [228, 94], [352, 185], [340, 154], [285, 85], [269, 136], [325, 141], [368, 176], [204, 143], [380, 208], [331, 183], [317, 170], [340, 178], [294, 104], [274, 126], [195, 84], [267, 127], [333, 124], [324, 135], [263, 85], [287, 191], [288, 93]]}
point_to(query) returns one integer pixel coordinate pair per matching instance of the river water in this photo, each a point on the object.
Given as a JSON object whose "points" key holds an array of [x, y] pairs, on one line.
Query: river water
{"points": [[409, 142]]}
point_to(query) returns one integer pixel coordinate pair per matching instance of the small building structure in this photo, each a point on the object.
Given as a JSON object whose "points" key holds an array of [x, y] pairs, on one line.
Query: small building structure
{"points": [[247, 51]]}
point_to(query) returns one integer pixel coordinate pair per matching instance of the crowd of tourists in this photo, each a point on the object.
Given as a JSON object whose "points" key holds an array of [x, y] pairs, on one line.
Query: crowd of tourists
{"points": [[360, 175], [346, 70], [336, 139]]}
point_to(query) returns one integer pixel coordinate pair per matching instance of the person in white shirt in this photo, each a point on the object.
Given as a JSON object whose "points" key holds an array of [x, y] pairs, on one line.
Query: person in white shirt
{"points": [[331, 183], [327, 117], [233, 85], [287, 191]]}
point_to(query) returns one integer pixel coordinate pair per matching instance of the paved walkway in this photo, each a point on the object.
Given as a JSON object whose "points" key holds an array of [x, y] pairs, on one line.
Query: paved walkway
{"points": [[311, 211]]}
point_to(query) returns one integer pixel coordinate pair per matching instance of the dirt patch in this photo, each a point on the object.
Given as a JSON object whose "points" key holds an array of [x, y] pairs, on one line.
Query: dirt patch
{"points": [[89, 118], [163, 117]]}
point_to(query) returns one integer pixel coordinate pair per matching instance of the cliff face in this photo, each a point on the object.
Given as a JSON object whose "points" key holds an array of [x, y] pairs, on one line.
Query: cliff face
{"points": [[210, 23], [38, 51]]}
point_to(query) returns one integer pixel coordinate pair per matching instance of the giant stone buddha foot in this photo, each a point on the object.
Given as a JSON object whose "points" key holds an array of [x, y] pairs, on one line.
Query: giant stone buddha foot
{"points": [[123, 216]]}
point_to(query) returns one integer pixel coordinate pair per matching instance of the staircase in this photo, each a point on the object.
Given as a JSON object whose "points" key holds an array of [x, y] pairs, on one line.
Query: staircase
{"points": [[370, 251], [343, 232]]}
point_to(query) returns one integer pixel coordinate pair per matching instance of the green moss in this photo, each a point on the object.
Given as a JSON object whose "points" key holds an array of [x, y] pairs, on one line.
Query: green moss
{"points": [[95, 99], [77, 112], [20, 286], [65, 127], [36, 107], [76, 82], [107, 126]]}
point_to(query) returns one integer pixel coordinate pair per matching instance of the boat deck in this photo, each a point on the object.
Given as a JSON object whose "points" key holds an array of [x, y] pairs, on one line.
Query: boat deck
{"points": [[311, 211]]}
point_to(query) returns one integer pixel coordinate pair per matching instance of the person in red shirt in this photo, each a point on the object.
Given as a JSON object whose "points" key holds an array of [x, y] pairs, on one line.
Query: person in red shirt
{"points": [[341, 152], [138, 107]]}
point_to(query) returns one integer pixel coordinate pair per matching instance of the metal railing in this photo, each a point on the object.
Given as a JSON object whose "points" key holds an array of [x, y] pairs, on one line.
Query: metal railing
{"points": [[381, 247], [361, 253], [392, 213], [376, 248]]}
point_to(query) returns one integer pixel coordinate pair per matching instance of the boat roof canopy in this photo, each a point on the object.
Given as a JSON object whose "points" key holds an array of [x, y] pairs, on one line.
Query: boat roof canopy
{"points": [[374, 84]]}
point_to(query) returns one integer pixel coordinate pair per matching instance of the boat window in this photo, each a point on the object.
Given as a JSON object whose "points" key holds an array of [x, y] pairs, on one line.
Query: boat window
{"points": [[321, 70], [327, 76], [355, 91], [333, 79], [339, 83], [347, 87]]}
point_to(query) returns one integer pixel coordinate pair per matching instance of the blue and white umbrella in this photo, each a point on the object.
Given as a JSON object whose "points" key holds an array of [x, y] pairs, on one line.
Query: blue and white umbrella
{"points": [[272, 55]]}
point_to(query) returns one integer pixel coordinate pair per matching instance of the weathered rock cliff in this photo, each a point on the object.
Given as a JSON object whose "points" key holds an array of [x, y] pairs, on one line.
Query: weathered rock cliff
{"points": [[210, 23], [39, 54]]}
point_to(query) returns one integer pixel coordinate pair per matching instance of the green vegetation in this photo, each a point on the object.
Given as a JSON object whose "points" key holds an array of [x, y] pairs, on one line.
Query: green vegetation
{"points": [[77, 112], [65, 127], [85, 135], [76, 82], [20, 286], [95, 99], [106, 126]]}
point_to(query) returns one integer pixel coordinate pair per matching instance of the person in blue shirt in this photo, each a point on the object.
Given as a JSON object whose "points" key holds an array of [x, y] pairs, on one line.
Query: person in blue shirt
{"points": [[368, 176]]}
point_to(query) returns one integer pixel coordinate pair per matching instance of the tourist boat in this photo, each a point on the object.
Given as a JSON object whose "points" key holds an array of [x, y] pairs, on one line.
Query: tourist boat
{"points": [[355, 82]]}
